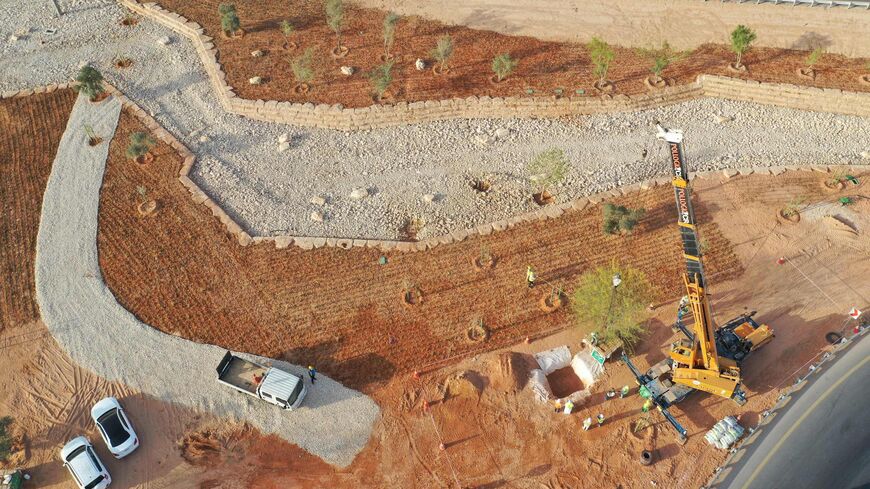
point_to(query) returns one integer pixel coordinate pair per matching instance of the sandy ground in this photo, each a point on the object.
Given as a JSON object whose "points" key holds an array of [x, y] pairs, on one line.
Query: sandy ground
{"points": [[683, 23], [50, 398]]}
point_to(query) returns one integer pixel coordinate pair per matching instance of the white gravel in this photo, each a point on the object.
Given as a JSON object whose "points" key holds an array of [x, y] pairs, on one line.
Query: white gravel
{"points": [[269, 192], [334, 422]]}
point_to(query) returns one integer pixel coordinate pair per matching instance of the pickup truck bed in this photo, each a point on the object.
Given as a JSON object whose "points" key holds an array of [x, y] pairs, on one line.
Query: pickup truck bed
{"points": [[240, 373]]}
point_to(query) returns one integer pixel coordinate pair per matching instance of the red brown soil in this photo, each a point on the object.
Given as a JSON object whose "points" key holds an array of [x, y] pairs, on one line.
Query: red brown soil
{"points": [[180, 272], [543, 66], [564, 382], [32, 127]]}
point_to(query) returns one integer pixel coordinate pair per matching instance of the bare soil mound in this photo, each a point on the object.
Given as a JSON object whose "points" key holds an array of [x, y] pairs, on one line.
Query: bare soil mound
{"points": [[215, 444], [511, 372]]}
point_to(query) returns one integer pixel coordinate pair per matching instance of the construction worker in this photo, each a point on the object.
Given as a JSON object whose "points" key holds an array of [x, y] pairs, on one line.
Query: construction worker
{"points": [[587, 423], [530, 276], [624, 392], [600, 419], [569, 407], [611, 393], [312, 373], [647, 405]]}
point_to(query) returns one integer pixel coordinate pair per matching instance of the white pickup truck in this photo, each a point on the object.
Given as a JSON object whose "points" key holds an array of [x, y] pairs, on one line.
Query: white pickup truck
{"points": [[274, 386]]}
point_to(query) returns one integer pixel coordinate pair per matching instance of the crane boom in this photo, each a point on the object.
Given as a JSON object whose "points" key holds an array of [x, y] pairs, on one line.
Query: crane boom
{"points": [[694, 275], [708, 358]]}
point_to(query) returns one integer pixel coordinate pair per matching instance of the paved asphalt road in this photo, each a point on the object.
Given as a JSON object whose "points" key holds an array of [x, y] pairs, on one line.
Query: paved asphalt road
{"points": [[821, 440]]}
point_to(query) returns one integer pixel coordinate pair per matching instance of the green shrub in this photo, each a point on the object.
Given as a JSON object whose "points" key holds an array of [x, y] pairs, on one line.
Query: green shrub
{"points": [[503, 65], [140, 144], [335, 17], [814, 57], [5, 437], [230, 22], [619, 218], [602, 55], [90, 82], [443, 51], [390, 22], [301, 67], [547, 169], [287, 29], [381, 77]]}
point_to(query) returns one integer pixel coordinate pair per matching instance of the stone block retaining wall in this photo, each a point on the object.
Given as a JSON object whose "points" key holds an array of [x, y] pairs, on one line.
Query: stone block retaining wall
{"points": [[337, 117]]}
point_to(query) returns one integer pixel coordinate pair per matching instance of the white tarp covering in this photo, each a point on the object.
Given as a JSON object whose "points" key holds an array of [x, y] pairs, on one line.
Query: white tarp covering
{"points": [[540, 386], [587, 368], [552, 360]]}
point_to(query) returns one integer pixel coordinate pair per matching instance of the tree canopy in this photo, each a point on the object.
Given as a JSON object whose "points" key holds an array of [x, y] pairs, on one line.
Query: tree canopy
{"points": [[613, 313]]}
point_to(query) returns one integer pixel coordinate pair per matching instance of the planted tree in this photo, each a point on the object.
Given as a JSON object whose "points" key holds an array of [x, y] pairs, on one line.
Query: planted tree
{"points": [[660, 58], [613, 313], [791, 211], [230, 23], [139, 147], [146, 206], [5, 437], [442, 52], [390, 22], [602, 55], [865, 78], [381, 77], [741, 38], [90, 82], [812, 59], [93, 139], [302, 71], [335, 21], [545, 170], [503, 65], [287, 30], [620, 219]]}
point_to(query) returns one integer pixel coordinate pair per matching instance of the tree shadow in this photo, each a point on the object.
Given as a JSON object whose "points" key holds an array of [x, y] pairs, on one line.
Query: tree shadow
{"points": [[812, 40], [362, 372]]}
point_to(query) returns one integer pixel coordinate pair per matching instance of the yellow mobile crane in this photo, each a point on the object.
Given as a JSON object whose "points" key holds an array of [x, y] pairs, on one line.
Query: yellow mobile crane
{"points": [[708, 358]]}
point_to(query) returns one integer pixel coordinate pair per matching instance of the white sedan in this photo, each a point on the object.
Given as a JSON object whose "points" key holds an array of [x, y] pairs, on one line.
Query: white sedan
{"points": [[87, 470], [115, 427]]}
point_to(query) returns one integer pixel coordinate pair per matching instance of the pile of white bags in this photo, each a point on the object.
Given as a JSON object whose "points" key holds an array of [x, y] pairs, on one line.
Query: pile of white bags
{"points": [[725, 433]]}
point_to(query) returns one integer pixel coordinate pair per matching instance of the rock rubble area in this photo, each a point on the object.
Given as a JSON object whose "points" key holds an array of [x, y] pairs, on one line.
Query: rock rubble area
{"points": [[276, 179]]}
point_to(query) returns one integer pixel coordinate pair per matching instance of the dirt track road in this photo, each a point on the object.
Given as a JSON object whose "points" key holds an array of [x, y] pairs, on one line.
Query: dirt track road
{"points": [[683, 23]]}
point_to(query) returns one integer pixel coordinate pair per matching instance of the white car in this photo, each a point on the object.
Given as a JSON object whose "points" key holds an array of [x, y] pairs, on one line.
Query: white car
{"points": [[87, 470], [115, 427]]}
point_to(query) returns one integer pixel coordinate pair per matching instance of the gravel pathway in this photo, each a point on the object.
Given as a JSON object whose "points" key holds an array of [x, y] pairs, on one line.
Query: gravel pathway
{"points": [[335, 422], [270, 192]]}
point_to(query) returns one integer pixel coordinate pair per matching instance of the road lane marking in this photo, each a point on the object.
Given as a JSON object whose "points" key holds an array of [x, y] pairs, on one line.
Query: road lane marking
{"points": [[800, 420]]}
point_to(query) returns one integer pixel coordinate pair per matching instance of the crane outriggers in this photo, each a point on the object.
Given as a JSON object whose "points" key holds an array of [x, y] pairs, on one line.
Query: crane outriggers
{"points": [[708, 358]]}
